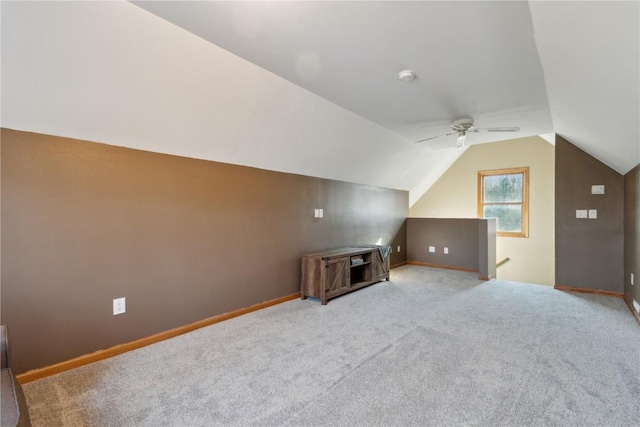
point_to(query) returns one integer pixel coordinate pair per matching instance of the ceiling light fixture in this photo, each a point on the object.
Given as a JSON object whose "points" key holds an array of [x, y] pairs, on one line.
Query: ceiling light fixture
{"points": [[461, 137], [406, 75]]}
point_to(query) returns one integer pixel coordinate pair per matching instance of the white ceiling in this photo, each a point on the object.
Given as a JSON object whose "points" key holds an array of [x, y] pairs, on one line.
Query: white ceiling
{"points": [[590, 54], [474, 59], [311, 87]]}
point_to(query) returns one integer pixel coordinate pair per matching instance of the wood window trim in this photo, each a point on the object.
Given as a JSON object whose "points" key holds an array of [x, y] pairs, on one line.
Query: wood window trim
{"points": [[525, 198]]}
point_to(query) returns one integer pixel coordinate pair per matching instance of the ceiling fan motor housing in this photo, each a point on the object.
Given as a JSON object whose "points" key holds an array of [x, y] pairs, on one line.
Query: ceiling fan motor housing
{"points": [[462, 125]]}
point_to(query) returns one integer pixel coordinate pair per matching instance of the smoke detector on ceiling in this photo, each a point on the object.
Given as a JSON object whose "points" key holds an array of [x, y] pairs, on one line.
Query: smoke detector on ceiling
{"points": [[407, 75]]}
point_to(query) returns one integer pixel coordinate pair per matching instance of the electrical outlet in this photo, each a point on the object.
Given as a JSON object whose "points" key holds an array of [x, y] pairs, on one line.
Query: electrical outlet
{"points": [[432, 249], [446, 250], [119, 306]]}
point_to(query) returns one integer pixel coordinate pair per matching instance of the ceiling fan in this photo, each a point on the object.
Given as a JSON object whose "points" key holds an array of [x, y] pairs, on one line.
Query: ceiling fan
{"points": [[463, 126]]}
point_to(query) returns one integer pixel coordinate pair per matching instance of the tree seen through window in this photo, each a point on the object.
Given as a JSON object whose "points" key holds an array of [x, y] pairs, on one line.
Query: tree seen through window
{"points": [[503, 194]]}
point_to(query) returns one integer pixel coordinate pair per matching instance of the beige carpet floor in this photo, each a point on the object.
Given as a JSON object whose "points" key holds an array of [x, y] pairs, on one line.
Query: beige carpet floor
{"points": [[430, 347]]}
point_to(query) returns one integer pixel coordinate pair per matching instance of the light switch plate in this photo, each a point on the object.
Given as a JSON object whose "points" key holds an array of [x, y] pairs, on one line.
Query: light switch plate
{"points": [[432, 249], [593, 214], [581, 213], [119, 306]]}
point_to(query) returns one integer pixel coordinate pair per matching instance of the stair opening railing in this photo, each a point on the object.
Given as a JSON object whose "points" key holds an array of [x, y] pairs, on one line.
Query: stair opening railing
{"points": [[502, 261]]}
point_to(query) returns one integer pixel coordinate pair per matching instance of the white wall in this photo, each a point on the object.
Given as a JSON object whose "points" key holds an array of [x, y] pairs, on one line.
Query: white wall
{"points": [[454, 195]]}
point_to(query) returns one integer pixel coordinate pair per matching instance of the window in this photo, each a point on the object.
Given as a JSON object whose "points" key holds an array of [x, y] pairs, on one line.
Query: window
{"points": [[504, 194]]}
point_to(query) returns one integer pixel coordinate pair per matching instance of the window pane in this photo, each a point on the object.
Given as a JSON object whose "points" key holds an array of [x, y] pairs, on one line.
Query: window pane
{"points": [[503, 188], [509, 216]]}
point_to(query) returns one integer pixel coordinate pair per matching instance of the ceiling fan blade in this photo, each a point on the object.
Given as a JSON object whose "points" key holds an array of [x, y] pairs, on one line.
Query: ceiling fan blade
{"points": [[504, 129], [439, 136]]}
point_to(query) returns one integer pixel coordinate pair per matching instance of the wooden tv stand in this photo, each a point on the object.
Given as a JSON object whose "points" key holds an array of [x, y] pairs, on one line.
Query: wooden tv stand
{"points": [[326, 275]]}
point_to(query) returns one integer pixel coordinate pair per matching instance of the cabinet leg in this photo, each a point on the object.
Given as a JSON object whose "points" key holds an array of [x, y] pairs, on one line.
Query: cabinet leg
{"points": [[324, 301]]}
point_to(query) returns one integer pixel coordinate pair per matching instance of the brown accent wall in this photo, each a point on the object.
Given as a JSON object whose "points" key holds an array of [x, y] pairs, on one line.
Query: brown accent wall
{"points": [[182, 239], [399, 248], [471, 243], [632, 233], [589, 252]]}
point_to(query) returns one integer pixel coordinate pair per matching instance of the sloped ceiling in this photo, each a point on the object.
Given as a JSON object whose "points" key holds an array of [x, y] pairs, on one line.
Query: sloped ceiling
{"points": [[590, 53], [311, 87], [475, 58]]}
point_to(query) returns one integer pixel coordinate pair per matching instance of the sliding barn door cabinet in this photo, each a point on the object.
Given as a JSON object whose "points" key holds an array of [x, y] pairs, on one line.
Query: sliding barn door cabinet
{"points": [[333, 273]]}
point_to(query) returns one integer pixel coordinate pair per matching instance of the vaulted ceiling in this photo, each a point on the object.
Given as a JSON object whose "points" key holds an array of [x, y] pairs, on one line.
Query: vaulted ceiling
{"points": [[311, 87]]}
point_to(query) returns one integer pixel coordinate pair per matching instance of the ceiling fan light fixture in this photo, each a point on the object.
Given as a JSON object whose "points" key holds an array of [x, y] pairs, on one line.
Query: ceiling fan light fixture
{"points": [[461, 138], [406, 75]]}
